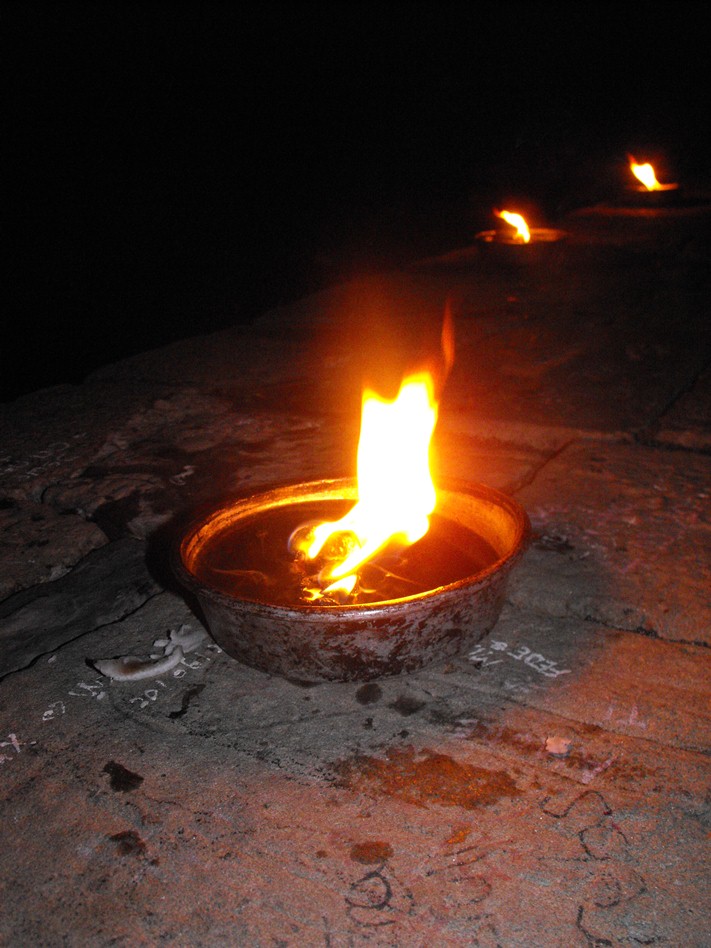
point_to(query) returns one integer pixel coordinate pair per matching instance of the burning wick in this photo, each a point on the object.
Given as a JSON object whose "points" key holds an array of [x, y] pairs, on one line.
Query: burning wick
{"points": [[515, 220], [395, 489], [645, 174], [396, 493]]}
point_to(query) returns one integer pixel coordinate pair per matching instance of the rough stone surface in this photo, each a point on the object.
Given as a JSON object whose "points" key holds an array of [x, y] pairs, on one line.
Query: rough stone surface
{"points": [[686, 423], [548, 788], [629, 531], [38, 544], [43, 619]]}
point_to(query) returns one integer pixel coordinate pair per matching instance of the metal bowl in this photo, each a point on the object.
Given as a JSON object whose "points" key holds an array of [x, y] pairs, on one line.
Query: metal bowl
{"points": [[315, 643], [502, 249]]}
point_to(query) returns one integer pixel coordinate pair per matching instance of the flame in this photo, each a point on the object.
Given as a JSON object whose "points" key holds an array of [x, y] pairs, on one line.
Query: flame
{"points": [[515, 220], [396, 493], [646, 175]]}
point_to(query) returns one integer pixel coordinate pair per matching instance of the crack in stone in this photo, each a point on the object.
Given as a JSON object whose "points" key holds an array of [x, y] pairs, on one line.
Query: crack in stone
{"points": [[646, 434], [640, 630], [527, 479], [637, 630], [606, 730], [695, 642], [97, 628], [648, 440]]}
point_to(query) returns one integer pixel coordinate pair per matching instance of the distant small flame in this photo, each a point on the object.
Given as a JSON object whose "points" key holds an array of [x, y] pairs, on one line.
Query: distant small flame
{"points": [[515, 220], [645, 174]]}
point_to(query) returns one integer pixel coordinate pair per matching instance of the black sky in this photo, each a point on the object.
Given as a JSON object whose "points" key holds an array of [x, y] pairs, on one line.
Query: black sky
{"points": [[177, 167]]}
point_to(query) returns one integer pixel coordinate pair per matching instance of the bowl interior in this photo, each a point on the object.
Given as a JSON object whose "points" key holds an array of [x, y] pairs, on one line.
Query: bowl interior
{"points": [[479, 511]]}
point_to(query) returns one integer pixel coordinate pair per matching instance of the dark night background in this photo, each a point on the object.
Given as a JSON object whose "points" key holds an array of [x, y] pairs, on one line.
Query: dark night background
{"points": [[179, 167]]}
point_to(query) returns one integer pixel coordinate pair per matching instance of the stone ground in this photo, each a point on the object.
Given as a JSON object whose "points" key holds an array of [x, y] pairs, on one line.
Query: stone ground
{"points": [[550, 787]]}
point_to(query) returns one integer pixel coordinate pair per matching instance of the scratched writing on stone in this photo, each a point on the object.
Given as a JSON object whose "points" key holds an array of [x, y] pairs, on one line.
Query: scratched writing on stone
{"points": [[11, 743], [498, 651], [97, 690], [39, 461]]}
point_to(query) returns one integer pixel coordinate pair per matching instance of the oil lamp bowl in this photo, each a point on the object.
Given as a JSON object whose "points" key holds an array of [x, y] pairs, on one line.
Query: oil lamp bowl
{"points": [[314, 643], [500, 247], [668, 195]]}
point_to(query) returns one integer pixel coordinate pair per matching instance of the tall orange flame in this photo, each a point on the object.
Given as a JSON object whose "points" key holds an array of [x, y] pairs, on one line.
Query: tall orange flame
{"points": [[396, 493]]}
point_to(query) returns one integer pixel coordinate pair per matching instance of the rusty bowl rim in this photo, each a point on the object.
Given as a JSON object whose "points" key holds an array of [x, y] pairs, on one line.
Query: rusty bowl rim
{"points": [[451, 485], [544, 235]]}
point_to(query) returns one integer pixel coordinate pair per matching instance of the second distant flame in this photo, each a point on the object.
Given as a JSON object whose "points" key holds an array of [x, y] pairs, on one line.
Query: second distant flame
{"points": [[646, 175], [515, 220]]}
